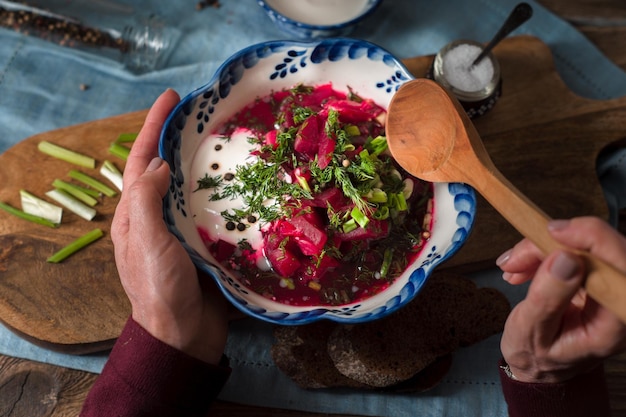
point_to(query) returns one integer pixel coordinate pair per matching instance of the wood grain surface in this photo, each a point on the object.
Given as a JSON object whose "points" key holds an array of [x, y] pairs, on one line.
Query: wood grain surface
{"points": [[32, 389]]}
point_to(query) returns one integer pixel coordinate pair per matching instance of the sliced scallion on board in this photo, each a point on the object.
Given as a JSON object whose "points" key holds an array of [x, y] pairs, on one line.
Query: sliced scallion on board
{"points": [[76, 245], [72, 204], [110, 172], [75, 192], [67, 155], [88, 191], [93, 183], [118, 150], [23, 215], [126, 137], [35, 206]]}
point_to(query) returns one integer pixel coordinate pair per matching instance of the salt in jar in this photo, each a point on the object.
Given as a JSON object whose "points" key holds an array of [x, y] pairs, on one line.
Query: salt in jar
{"points": [[477, 87]]}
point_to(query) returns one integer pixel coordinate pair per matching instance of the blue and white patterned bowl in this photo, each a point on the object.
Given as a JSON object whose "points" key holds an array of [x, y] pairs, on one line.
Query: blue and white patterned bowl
{"points": [[271, 66], [326, 24]]}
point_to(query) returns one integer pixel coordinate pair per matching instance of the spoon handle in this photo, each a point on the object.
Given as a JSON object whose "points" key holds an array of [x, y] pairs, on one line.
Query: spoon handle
{"points": [[521, 13], [605, 283]]}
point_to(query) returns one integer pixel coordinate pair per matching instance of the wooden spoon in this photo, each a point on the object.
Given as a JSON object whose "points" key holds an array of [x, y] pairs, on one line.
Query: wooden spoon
{"points": [[430, 136]]}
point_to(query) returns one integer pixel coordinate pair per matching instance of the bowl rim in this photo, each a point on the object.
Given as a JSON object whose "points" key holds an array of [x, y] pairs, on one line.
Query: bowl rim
{"points": [[278, 15], [304, 43], [311, 313]]}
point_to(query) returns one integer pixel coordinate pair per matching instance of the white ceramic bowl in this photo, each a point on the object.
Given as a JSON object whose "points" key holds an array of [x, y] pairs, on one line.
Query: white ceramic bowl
{"points": [[255, 72], [316, 19]]}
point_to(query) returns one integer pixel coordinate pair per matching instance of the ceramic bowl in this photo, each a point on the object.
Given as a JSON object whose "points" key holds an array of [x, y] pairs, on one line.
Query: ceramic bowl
{"points": [[257, 71], [316, 19]]}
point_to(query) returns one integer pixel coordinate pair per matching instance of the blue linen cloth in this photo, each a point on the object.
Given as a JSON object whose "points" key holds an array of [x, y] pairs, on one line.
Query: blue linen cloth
{"points": [[40, 90]]}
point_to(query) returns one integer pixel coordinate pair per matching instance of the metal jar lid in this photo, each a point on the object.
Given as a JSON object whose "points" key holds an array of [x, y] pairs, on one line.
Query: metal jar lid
{"points": [[476, 101]]}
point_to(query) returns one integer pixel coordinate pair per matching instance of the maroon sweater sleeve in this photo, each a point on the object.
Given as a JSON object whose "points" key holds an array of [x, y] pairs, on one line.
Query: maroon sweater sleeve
{"points": [[146, 377], [585, 395]]}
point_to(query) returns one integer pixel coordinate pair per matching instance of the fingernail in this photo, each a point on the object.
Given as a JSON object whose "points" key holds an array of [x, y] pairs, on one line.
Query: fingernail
{"points": [[558, 224], [502, 259], [154, 164], [564, 267], [507, 276]]}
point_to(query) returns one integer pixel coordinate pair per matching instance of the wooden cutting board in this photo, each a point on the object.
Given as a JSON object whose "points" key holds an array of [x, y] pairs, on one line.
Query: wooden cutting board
{"points": [[543, 137], [77, 306]]}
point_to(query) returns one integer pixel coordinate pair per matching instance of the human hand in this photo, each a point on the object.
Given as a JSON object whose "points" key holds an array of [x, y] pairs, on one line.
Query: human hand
{"points": [[558, 331], [167, 298]]}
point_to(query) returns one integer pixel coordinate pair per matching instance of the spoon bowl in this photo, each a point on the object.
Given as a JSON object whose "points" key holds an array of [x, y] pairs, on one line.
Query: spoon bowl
{"points": [[435, 117], [430, 136]]}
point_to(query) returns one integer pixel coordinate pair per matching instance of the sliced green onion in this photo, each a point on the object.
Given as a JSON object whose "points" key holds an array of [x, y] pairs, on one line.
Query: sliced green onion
{"points": [[75, 246], [118, 150], [25, 216], [303, 183], [93, 183], [382, 213], [377, 145], [34, 205], [407, 191], [377, 196], [66, 154], [401, 202], [88, 191], [393, 201], [352, 130], [75, 192], [359, 217], [349, 226], [287, 283], [126, 137], [111, 173], [387, 258], [72, 204]]}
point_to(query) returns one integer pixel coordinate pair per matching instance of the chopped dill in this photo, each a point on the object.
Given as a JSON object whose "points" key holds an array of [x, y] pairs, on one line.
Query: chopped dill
{"points": [[243, 244], [352, 96], [301, 89], [208, 182], [300, 114]]}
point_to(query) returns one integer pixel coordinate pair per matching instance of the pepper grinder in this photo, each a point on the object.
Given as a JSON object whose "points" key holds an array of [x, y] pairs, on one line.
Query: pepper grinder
{"points": [[102, 27]]}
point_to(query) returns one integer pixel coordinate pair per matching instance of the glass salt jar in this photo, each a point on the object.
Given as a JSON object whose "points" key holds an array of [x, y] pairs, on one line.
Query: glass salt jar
{"points": [[477, 87]]}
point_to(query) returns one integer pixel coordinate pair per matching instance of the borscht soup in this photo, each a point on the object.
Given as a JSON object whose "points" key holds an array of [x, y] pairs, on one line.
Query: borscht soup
{"points": [[299, 197]]}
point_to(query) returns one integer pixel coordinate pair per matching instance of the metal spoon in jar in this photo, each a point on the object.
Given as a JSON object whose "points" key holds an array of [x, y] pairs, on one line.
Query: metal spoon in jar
{"points": [[430, 135], [521, 13]]}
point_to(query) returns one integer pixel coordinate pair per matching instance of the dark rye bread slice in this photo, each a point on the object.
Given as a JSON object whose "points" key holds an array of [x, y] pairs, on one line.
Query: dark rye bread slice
{"points": [[391, 350], [449, 312], [300, 352], [425, 379]]}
